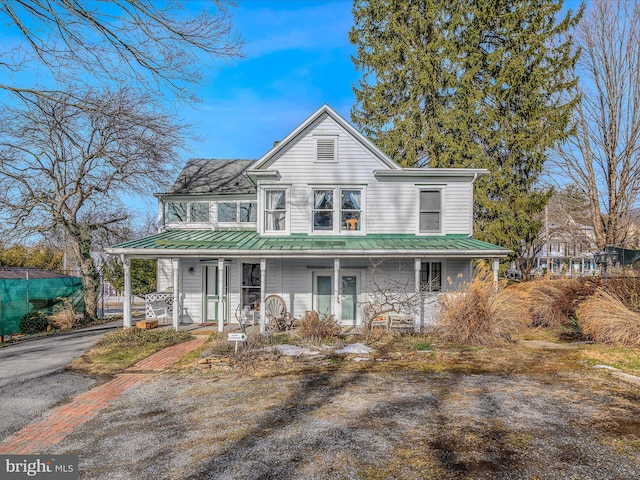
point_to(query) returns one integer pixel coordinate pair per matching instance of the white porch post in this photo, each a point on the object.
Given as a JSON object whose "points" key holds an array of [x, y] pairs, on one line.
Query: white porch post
{"points": [[263, 290], [126, 314], [176, 264], [221, 294], [418, 321], [336, 289], [496, 267]]}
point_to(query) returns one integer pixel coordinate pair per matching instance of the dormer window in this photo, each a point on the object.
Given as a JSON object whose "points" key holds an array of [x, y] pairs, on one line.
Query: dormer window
{"points": [[326, 148]]}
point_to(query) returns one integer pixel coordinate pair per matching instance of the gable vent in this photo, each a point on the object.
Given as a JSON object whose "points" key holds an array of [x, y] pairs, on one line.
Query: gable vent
{"points": [[326, 149]]}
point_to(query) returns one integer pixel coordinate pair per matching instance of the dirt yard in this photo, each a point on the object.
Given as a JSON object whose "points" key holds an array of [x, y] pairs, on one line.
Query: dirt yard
{"points": [[524, 414]]}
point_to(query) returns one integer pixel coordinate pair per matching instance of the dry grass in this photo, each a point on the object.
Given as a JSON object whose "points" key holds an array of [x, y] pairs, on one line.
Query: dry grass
{"points": [[65, 319], [314, 327], [605, 318], [483, 313], [553, 302], [627, 289]]}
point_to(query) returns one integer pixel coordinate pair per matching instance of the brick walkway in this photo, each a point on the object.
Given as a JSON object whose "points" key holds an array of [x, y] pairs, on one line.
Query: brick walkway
{"points": [[58, 423]]}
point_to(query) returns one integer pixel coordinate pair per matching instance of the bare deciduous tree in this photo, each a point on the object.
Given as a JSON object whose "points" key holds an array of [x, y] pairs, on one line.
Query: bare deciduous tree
{"points": [[160, 47], [602, 158], [65, 168]]}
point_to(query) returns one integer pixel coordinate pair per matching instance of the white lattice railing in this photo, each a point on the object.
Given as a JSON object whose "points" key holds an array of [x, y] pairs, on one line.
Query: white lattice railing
{"points": [[158, 304]]}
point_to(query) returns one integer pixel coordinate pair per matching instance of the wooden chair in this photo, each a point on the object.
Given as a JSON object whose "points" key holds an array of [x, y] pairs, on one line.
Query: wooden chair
{"points": [[275, 309]]}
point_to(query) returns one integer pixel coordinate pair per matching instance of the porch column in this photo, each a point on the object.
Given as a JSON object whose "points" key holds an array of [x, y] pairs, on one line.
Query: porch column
{"points": [[496, 267], [176, 264], [263, 295], [126, 314], [221, 294], [418, 321], [336, 289]]}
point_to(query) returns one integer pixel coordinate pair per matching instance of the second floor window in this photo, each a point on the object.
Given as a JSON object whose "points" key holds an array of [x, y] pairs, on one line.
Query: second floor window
{"points": [[188, 212], [430, 211], [350, 209], [275, 210], [233, 212], [322, 210]]}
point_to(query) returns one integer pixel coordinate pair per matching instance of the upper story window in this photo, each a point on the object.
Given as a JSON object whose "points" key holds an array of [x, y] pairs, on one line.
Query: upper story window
{"points": [[430, 216], [350, 209], [330, 215], [234, 212], [187, 212], [275, 210], [326, 148], [322, 210]]}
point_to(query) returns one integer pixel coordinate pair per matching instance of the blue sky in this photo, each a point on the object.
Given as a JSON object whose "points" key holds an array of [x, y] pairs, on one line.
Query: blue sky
{"points": [[297, 57]]}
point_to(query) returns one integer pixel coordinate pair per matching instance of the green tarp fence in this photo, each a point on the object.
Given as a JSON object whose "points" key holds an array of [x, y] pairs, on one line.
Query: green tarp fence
{"points": [[21, 296]]}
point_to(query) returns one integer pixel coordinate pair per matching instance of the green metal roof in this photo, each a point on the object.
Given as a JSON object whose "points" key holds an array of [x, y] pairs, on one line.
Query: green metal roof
{"points": [[249, 242]]}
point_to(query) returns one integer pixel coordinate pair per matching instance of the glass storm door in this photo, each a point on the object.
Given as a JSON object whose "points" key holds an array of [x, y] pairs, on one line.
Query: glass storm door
{"points": [[348, 298], [212, 292], [323, 295]]}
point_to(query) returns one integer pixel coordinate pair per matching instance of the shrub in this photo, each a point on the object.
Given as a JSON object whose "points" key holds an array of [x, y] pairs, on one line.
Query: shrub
{"points": [[605, 319], [553, 302], [65, 318], [33, 322], [483, 313], [627, 290], [314, 327]]}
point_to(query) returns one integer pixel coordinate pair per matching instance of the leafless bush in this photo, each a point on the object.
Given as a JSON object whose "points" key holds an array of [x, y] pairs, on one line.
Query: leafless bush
{"points": [[483, 313], [315, 327], [605, 318]]}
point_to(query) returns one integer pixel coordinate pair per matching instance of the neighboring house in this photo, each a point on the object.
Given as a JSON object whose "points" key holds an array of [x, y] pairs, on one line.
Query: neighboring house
{"points": [[568, 254], [323, 219]]}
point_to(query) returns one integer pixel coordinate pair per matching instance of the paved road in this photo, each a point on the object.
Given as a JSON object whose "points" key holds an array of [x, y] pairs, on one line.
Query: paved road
{"points": [[31, 376]]}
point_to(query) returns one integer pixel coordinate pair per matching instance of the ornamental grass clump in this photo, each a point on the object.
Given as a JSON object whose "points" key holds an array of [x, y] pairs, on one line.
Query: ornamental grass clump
{"points": [[483, 313], [605, 319], [553, 302]]}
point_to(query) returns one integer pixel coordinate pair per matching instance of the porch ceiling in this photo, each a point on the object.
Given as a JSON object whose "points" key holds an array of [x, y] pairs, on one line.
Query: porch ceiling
{"points": [[249, 243]]}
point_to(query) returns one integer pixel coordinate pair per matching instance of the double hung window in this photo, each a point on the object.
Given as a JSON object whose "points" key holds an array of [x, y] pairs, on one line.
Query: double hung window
{"points": [[275, 210], [336, 209], [430, 218], [322, 210]]}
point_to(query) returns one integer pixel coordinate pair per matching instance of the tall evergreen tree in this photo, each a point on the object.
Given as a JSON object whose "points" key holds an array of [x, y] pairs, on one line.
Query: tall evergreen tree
{"points": [[473, 83]]}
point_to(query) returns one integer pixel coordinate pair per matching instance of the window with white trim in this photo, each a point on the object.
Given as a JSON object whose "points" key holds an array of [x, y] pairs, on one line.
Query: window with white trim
{"points": [[275, 210], [350, 209], [430, 215], [431, 276], [234, 212], [336, 210], [187, 212], [322, 210]]}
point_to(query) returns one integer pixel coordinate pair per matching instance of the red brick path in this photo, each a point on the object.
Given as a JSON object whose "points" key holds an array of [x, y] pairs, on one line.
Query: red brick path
{"points": [[59, 422]]}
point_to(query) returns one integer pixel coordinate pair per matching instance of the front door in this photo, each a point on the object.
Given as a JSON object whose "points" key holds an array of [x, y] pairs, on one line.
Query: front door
{"points": [[213, 295], [348, 296]]}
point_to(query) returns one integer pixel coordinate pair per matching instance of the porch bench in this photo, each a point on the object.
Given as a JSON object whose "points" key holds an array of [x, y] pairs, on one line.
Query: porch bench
{"points": [[401, 322]]}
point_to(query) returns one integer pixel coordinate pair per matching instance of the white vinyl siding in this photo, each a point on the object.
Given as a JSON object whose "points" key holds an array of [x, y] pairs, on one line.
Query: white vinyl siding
{"points": [[390, 205]]}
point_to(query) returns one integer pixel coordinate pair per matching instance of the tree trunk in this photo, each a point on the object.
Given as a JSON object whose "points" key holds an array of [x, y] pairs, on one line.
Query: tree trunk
{"points": [[80, 238]]}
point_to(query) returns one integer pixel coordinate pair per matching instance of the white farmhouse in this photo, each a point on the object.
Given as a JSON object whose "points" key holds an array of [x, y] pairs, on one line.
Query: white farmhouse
{"points": [[313, 221]]}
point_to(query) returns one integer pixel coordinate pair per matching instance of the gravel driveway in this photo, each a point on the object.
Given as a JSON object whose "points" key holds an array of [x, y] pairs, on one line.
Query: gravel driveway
{"points": [[362, 424]]}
